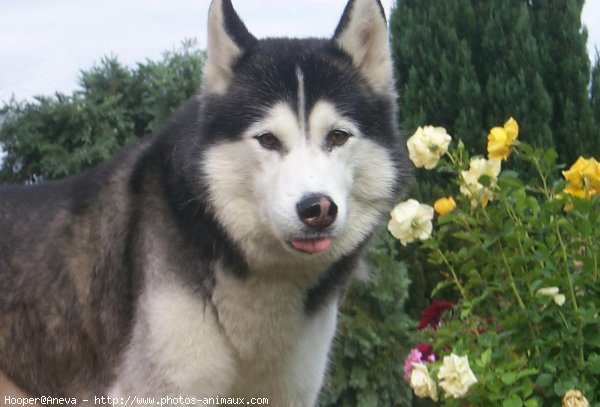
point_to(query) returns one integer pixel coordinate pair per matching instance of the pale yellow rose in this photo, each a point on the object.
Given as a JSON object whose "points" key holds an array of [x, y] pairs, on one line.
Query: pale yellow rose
{"points": [[411, 220], [456, 376], [470, 185], [422, 383], [427, 145], [574, 398]]}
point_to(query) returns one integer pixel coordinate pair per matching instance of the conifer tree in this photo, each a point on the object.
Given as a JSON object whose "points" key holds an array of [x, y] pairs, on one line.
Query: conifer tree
{"points": [[595, 94], [468, 65], [565, 69], [436, 77], [56, 136], [509, 63]]}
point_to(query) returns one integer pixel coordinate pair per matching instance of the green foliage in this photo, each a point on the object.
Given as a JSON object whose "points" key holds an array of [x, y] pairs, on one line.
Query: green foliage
{"points": [[373, 337], [526, 348], [53, 137]]}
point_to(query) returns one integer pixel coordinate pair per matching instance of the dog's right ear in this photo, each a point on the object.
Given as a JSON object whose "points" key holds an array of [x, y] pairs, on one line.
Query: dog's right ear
{"points": [[228, 37], [362, 34]]}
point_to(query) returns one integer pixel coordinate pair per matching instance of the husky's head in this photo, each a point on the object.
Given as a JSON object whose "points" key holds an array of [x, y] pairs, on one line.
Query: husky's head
{"points": [[304, 157]]}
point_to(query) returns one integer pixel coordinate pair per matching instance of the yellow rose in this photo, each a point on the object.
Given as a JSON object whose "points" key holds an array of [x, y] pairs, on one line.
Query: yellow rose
{"points": [[583, 178], [591, 174], [444, 205], [573, 174], [501, 138]]}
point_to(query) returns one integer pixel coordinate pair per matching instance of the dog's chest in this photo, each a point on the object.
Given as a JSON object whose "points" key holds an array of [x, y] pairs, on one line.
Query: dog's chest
{"points": [[276, 342], [258, 341], [263, 319]]}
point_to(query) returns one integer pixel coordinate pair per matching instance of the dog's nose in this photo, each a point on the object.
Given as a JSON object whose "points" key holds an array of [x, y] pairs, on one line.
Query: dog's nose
{"points": [[317, 211]]}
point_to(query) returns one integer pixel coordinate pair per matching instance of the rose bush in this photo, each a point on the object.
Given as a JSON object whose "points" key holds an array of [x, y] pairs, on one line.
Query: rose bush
{"points": [[520, 266]]}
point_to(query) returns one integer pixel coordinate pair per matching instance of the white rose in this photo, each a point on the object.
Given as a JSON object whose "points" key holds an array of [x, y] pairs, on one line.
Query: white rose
{"points": [[559, 299], [574, 398], [471, 187], [421, 383], [553, 292], [456, 376], [427, 145], [549, 291], [411, 220]]}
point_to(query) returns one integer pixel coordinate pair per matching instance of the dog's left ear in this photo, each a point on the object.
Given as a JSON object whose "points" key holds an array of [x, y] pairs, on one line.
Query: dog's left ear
{"points": [[228, 38], [362, 33]]}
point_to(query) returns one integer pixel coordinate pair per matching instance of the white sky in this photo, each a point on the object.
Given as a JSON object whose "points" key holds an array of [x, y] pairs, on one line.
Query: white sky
{"points": [[45, 43]]}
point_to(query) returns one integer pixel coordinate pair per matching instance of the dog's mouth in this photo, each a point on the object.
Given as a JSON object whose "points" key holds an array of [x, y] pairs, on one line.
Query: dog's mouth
{"points": [[311, 246]]}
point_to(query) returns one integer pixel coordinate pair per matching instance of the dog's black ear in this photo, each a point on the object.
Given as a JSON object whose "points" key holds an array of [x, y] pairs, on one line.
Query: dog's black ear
{"points": [[228, 37], [362, 33]]}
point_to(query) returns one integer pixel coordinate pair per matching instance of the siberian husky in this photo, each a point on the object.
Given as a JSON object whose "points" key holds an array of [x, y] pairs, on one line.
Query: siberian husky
{"points": [[208, 260]]}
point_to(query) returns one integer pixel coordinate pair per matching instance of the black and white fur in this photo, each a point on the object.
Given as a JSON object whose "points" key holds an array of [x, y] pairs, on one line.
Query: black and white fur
{"points": [[185, 265]]}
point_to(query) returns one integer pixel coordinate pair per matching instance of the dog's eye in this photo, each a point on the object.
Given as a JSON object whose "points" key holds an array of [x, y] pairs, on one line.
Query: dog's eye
{"points": [[336, 138], [269, 141]]}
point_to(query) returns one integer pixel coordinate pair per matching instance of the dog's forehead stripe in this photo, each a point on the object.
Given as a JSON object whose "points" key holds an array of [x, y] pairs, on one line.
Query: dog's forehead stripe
{"points": [[301, 100]]}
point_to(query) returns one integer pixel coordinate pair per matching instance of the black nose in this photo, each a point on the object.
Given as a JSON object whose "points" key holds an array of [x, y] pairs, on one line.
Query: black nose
{"points": [[317, 211]]}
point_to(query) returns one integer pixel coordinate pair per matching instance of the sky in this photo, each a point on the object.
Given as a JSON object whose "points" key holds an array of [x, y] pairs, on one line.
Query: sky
{"points": [[44, 44]]}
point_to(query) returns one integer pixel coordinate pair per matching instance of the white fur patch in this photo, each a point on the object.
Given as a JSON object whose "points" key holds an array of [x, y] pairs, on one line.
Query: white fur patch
{"points": [[282, 351], [221, 52], [187, 343], [177, 345]]}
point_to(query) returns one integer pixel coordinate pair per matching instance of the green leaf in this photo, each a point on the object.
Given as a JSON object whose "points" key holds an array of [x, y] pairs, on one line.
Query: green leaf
{"points": [[531, 403], [448, 218], [550, 157], [440, 286], [513, 401], [485, 180], [509, 378], [593, 364], [485, 358], [527, 372]]}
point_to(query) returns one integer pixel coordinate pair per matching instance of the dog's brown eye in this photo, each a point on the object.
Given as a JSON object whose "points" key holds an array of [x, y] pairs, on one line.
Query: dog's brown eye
{"points": [[336, 138], [269, 141]]}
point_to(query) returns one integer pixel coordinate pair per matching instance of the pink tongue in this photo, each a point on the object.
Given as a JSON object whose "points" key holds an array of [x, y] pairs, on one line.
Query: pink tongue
{"points": [[312, 246]]}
